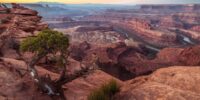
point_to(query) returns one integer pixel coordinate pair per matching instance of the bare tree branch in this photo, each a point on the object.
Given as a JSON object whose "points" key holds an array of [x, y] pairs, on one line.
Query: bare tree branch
{"points": [[31, 65]]}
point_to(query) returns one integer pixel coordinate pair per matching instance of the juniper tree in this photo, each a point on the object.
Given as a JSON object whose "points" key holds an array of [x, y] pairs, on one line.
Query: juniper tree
{"points": [[46, 42], [50, 42]]}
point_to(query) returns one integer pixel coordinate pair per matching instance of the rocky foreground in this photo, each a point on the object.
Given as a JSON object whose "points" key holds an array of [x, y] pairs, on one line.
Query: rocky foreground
{"points": [[15, 84], [170, 75], [176, 82]]}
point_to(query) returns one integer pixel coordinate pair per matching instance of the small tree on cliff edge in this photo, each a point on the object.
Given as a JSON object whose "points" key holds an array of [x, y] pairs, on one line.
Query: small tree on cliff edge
{"points": [[49, 42]]}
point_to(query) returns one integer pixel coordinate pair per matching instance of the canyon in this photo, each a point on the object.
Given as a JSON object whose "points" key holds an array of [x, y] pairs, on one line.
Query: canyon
{"points": [[153, 51], [155, 26]]}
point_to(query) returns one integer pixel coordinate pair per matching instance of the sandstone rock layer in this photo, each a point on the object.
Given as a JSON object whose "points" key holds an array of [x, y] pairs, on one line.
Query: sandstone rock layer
{"points": [[173, 83]]}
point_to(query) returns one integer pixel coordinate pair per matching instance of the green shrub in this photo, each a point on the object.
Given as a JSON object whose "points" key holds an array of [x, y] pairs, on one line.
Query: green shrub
{"points": [[105, 92], [46, 41]]}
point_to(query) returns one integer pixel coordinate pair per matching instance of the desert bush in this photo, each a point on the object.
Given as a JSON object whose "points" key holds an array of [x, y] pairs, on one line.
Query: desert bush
{"points": [[105, 92], [47, 42]]}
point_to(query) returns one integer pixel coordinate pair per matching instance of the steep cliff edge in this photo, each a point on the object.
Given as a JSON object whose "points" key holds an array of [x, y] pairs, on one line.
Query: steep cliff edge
{"points": [[17, 23], [126, 62]]}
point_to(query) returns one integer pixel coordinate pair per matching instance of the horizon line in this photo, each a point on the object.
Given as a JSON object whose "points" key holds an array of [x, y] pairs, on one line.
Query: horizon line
{"points": [[105, 3]]}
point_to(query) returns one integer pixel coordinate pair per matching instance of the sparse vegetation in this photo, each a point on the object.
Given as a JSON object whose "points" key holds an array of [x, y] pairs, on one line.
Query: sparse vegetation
{"points": [[54, 43], [47, 42], [105, 92]]}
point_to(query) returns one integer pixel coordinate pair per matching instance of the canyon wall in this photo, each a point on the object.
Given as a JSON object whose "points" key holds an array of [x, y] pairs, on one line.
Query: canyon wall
{"points": [[17, 23]]}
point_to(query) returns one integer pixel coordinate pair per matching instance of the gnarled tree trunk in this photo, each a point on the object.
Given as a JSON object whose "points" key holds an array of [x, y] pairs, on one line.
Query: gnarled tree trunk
{"points": [[54, 87]]}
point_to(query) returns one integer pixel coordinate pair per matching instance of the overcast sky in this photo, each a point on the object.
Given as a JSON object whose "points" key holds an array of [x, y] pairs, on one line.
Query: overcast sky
{"points": [[113, 1]]}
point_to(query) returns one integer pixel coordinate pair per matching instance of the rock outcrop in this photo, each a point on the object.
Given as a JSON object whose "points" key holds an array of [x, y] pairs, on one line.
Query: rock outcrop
{"points": [[17, 23], [20, 86], [80, 88], [15, 84], [173, 83], [126, 62]]}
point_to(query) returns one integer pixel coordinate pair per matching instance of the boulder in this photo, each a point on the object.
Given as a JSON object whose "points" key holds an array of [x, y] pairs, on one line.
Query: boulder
{"points": [[173, 83], [80, 88]]}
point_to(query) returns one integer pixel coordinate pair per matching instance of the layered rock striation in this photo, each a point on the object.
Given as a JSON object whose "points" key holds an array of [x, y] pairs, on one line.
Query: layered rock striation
{"points": [[17, 23]]}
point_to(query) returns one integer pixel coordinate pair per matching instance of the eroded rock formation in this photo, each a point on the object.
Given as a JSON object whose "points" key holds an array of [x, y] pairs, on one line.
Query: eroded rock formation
{"points": [[16, 24], [176, 82], [20, 86], [126, 62]]}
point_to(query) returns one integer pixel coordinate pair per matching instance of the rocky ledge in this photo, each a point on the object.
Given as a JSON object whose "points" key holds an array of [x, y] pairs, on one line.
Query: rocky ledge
{"points": [[17, 23], [20, 86], [174, 83], [126, 62]]}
